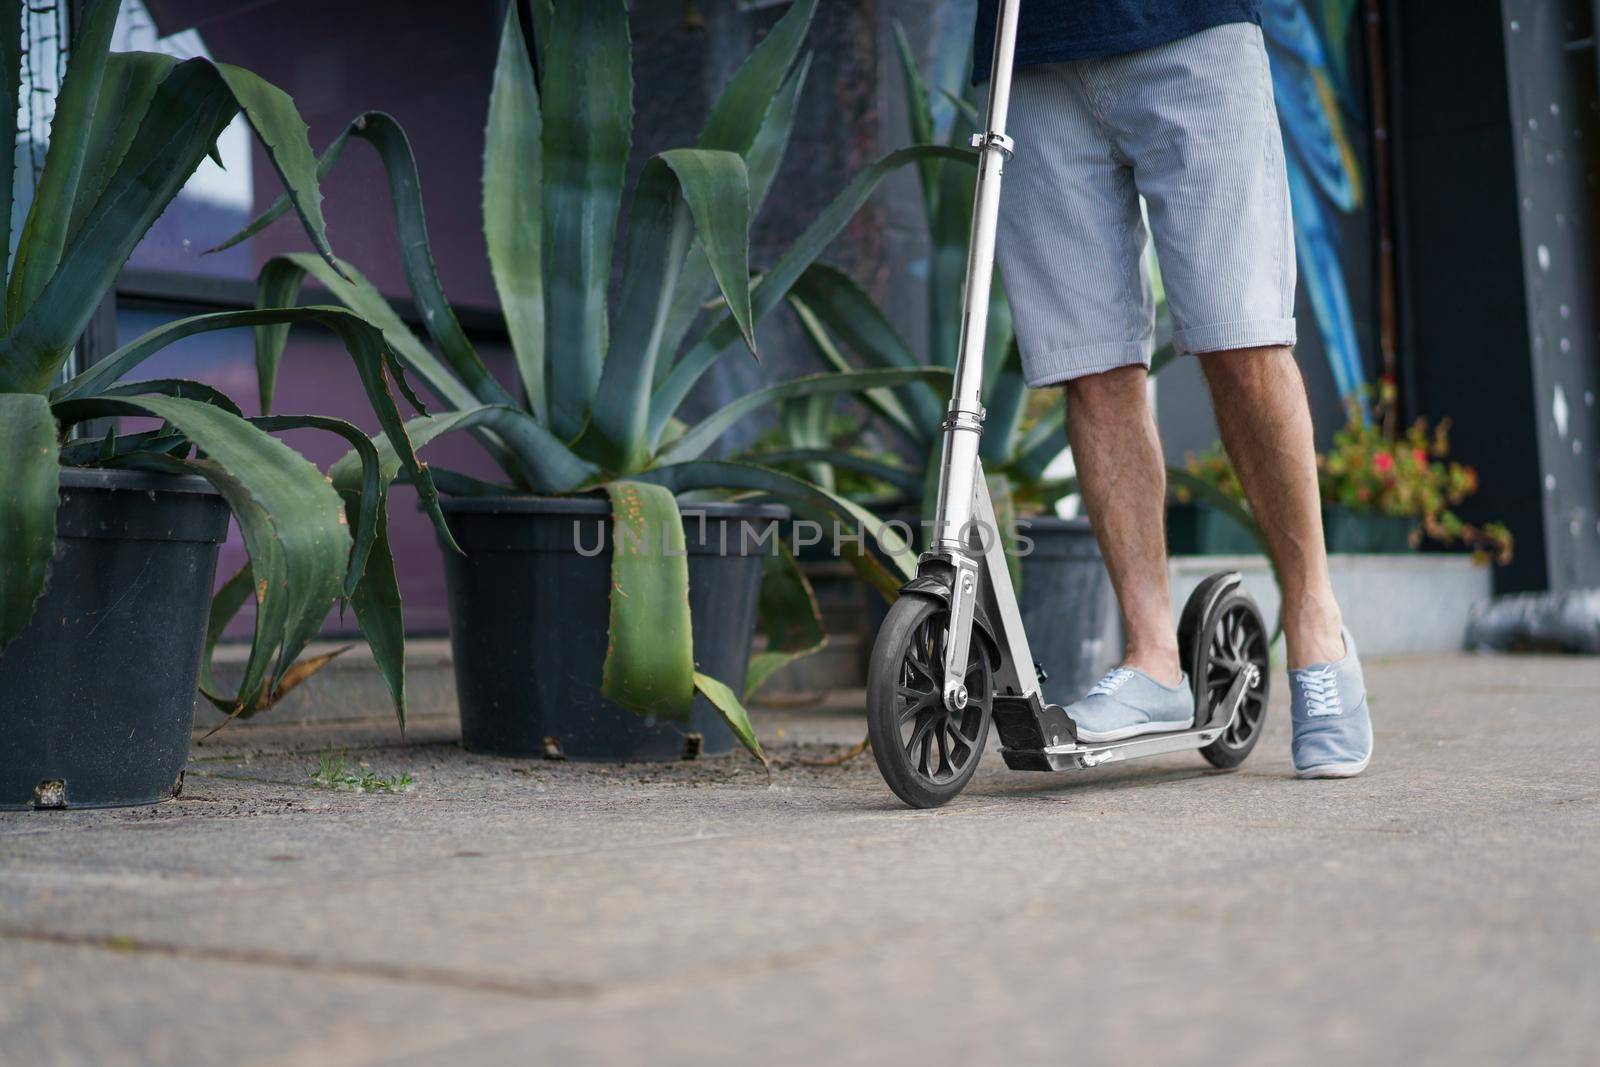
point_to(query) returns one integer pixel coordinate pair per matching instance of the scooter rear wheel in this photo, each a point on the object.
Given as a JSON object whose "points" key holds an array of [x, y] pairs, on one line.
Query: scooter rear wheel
{"points": [[1232, 636], [925, 752]]}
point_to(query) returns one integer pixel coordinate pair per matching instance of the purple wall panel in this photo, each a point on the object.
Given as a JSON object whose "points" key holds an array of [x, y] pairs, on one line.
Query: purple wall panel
{"points": [[427, 65]]}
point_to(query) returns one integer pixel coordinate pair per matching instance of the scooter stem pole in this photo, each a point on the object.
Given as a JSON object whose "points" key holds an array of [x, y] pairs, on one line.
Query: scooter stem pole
{"points": [[963, 424]]}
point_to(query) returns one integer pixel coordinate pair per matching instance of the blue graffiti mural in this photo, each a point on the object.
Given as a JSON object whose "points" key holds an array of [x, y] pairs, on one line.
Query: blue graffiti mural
{"points": [[1309, 80]]}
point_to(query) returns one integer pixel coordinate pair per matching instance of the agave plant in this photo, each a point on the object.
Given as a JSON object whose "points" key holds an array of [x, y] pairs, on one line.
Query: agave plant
{"points": [[600, 391], [129, 129]]}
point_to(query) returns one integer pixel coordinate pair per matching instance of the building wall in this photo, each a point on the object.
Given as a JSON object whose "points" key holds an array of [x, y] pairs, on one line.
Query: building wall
{"points": [[1496, 136], [1555, 119]]}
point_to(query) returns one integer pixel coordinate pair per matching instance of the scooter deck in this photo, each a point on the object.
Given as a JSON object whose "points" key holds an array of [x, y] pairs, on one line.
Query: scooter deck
{"points": [[1049, 742], [1080, 755]]}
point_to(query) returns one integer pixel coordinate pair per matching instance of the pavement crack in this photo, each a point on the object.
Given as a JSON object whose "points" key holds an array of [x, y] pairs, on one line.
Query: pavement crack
{"points": [[406, 974]]}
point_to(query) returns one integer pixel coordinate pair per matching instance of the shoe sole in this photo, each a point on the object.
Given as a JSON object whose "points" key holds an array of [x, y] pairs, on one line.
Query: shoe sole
{"points": [[1133, 731], [1334, 770]]}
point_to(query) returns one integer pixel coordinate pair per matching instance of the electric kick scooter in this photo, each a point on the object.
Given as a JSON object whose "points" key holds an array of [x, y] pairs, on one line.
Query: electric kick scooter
{"points": [[951, 656]]}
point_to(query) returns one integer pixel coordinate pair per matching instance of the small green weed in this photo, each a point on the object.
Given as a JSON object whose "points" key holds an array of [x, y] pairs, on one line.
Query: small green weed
{"points": [[333, 772]]}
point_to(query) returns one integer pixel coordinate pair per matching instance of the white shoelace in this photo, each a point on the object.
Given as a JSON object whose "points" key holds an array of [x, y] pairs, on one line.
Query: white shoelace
{"points": [[1114, 680], [1321, 688]]}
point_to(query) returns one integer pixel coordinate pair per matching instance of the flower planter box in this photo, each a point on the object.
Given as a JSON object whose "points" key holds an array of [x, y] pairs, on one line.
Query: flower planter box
{"points": [[529, 615], [1394, 603], [97, 694], [1352, 531], [1196, 528]]}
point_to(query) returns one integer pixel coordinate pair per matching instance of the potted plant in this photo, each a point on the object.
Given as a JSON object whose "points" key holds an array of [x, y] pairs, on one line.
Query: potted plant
{"points": [[1385, 492], [108, 546], [578, 625], [1200, 527], [1382, 492]]}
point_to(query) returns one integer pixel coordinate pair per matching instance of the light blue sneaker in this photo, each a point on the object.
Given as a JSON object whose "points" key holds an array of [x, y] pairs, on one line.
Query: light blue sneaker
{"points": [[1332, 728], [1128, 702]]}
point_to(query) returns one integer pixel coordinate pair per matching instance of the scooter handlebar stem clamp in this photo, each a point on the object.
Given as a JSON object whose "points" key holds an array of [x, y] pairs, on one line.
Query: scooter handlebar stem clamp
{"points": [[991, 139], [961, 419]]}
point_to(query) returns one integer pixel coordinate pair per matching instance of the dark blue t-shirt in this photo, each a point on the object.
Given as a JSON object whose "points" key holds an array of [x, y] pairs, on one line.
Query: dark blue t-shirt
{"points": [[1049, 31]]}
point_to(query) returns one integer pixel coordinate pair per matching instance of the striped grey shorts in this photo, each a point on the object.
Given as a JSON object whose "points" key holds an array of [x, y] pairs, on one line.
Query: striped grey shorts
{"points": [[1191, 127]]}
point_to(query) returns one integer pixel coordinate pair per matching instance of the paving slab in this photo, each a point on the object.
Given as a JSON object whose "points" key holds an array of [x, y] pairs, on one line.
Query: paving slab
{"points": [[1444, 907]]}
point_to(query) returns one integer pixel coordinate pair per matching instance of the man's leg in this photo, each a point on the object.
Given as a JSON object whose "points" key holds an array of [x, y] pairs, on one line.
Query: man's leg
{"points": [[1261, 408], [1123, 481], [1260, 401], [1193, 119]]}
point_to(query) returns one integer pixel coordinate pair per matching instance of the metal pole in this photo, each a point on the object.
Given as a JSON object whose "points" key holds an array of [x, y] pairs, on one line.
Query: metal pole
{"points": [[963, 424]]}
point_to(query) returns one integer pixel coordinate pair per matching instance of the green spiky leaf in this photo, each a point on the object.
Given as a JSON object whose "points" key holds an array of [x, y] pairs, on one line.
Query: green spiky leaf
{"points": [[851, 316], [709, 189], [787, 615], [27, 507], [765, 155], [742, 108], [44, 233], [587, 91], [513, 213], [776, 282], [920, 116], [649, 665], [10, 89], [187, 111], [704, 434], [733, 713]]}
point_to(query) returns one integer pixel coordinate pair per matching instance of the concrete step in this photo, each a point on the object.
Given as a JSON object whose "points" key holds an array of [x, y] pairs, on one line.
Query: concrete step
{"points": [[349, 689], [1394, 604], [1400, 604]]}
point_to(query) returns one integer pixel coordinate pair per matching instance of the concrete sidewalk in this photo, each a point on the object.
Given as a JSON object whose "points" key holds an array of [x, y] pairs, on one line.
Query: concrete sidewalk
{"points": [[1444, 908]]}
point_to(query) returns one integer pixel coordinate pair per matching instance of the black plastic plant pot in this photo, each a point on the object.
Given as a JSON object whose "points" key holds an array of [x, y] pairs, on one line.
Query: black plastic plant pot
{"points": [[1069, 609], [529, 599], [97, 693]]}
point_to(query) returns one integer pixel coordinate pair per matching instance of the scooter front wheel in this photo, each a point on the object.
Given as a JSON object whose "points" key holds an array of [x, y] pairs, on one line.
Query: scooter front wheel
{"points": [[1232, 637], [925, 752]]}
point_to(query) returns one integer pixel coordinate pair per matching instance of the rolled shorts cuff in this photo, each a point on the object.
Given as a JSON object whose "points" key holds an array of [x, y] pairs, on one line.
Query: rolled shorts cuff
{"points": [[1080, 361], [1221, 336]]}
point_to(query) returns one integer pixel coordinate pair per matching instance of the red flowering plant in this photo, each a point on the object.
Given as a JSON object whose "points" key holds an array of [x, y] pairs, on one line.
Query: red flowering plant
{"points": [[1368, 471], [1406, 475]]}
